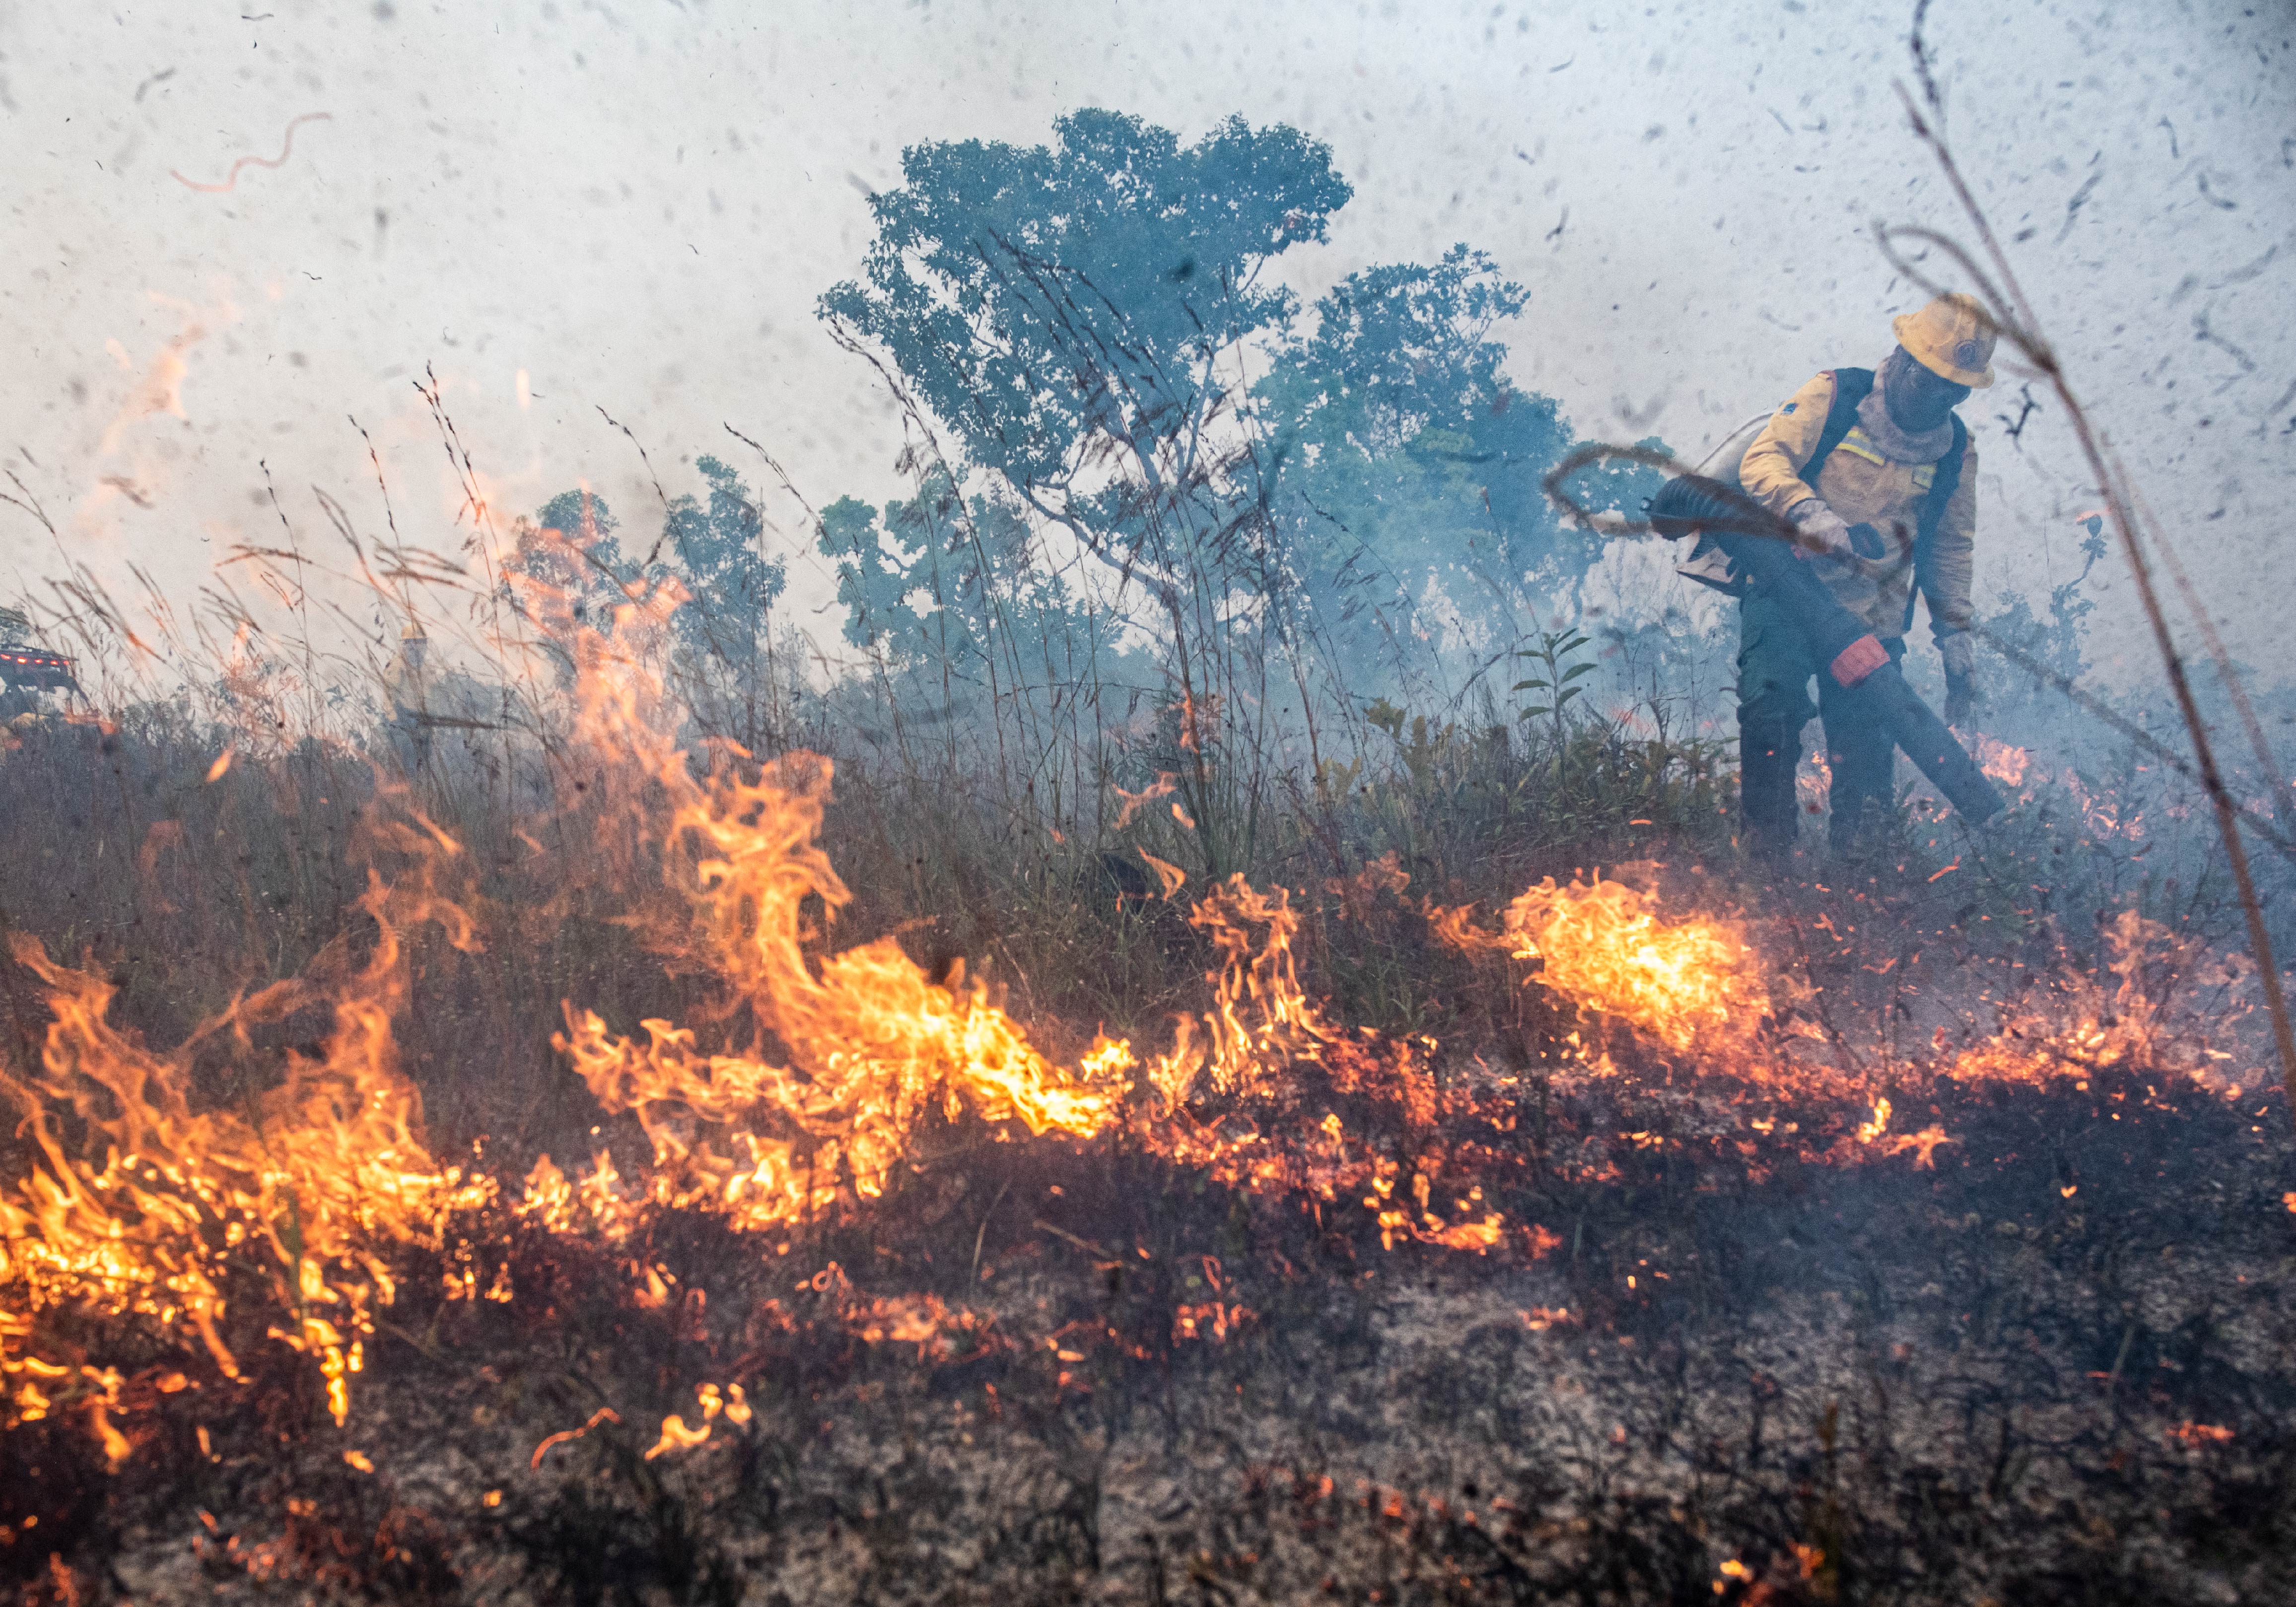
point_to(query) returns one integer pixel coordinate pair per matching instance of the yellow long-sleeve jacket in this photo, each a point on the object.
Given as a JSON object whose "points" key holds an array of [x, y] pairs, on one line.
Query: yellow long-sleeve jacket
{"points": [[1859, 483]]}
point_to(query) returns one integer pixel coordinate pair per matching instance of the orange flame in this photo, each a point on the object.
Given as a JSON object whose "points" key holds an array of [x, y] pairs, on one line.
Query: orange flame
{"points": [[1260, 1017], [2003, 763], [871, 1042], [2086, 1026], [144, 1203], [1684, 983]]}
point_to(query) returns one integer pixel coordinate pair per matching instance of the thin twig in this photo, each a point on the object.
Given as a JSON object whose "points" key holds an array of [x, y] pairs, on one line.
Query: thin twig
{"points": [[982, 1237], [2014, 314]]}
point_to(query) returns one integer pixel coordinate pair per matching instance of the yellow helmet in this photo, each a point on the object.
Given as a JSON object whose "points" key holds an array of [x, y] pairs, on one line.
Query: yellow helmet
{"points": [[413, 631], [1954, 337]]}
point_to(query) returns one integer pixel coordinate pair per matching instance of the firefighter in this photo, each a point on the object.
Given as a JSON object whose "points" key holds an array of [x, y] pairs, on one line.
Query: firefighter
{"points": [[1876, 473], [403, 680]]}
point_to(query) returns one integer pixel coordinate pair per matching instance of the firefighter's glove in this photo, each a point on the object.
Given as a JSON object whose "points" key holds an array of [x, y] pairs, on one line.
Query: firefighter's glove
{"points": [[1959, 651], [1818, 528], [1960, 699], [1867, 542]]}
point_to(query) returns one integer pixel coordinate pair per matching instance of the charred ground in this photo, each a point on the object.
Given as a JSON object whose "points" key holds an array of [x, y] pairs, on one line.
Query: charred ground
{"points": [[1874, 1384]]}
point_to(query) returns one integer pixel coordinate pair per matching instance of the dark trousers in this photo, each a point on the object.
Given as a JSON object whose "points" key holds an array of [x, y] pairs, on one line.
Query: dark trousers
{"points": [[1775, 665]]}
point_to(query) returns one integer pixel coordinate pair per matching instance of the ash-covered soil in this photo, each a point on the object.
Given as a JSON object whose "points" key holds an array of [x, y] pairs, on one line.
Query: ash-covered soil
{"points": [[2060, 1367]]}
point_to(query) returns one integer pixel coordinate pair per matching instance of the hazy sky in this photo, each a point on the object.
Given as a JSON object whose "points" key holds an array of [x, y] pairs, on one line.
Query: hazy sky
{"points": [[559, 207]]}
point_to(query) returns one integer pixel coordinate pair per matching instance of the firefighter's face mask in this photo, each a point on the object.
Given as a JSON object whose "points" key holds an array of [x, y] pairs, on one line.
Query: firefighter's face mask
{"points": [[1918, 399]]}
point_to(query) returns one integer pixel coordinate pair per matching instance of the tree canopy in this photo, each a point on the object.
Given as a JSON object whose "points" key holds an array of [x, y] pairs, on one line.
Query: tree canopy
{"points": [[1409, 461], [1097, 325], [1059, 306], [714, 549]]}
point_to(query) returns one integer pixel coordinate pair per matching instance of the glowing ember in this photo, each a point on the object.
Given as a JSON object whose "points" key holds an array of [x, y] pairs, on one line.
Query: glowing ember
{"points": [[2003, 763], [677, 1437], [1209, 1320], [602, 1414]]}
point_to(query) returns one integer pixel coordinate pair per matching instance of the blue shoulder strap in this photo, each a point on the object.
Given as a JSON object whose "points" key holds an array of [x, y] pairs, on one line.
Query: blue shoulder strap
{"points": [[1945, 482], [1851, 386]]}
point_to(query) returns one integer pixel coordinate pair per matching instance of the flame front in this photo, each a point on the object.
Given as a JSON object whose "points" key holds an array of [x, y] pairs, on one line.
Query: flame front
{"points": [[146, 1204], [1604, 946], [871, 1042], [802, 1080]]}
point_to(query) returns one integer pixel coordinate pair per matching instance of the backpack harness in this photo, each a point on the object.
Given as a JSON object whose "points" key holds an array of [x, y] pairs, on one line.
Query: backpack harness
{"points": [[1851, 386]]}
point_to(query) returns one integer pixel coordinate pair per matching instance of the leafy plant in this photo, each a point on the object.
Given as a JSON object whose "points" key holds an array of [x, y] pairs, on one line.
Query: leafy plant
{"points": [[1555, 648], [1423, 748]]}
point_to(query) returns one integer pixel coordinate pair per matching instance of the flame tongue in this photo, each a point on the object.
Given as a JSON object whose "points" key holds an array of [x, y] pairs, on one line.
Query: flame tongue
{"points": [[1604, 946], [871, 1041], [309, 1179]]}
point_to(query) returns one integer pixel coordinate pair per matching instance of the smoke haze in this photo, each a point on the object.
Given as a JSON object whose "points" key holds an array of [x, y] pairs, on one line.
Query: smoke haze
{"points": [[561, 208]]}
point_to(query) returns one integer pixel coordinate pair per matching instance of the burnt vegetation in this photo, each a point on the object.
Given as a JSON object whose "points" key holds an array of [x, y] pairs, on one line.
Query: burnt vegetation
{"points": [[2053, 1366]]}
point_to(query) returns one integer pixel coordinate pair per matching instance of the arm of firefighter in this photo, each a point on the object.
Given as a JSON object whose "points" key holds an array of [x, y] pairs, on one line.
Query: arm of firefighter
{"points": [[1771, 471], [1952, 566]]}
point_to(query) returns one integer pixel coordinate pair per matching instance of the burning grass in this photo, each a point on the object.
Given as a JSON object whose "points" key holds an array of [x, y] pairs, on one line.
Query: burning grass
{"points": [[1658, 1242], [1075, 1371]]}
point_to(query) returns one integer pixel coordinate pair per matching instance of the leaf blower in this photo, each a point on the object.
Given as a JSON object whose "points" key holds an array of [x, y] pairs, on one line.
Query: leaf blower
{"points": [[1760, 548]]}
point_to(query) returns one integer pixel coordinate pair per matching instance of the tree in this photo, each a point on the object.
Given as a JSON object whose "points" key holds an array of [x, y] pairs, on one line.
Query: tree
{"points": [[572, 548], [565, 573], [1411, 464], [721, 632], [1073, 331], [873, 584], [946, 581], [1064, 311], [719, 552]]}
